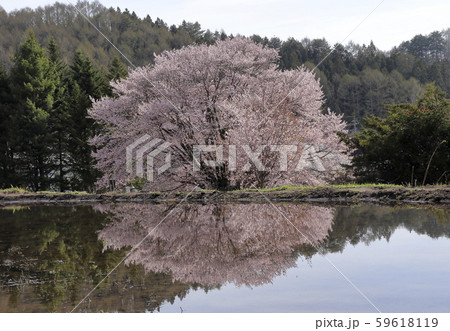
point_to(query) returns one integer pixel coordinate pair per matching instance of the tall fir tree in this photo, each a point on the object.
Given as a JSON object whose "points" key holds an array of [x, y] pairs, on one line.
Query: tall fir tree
{"points": [[33, 89], [117, 70], [60, 119], [6, 164], [88, 83]]}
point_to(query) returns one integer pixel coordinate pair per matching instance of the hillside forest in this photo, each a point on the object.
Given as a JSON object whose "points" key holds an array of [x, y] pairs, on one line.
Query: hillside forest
{"points": [[54, 64]]}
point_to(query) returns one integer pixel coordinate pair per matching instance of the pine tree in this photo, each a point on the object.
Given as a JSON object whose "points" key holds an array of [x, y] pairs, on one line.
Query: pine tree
{"points": [[117, 70], [86, 83], [33, 89], [409, 144], [60, 119], [6, 166], [91, 81]]}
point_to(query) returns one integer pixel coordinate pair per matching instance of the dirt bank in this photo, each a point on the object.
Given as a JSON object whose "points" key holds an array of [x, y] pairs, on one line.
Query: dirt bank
{"points": [[391, 195]]}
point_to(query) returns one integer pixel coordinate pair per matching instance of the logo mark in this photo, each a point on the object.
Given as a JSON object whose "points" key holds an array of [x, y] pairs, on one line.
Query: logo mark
{"points": [[145, 148]]}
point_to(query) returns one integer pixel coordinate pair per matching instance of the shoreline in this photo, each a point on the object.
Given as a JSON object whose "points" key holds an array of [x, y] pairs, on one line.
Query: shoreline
{"points": [[328, 194]]}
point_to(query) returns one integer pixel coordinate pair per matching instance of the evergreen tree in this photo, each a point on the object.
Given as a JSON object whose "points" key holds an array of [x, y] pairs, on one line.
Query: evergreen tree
{"points": [[349, 95], [117, 70], [194, 30], [410, 145], [6, 161], [87, 82], [60, 119], [292, 53], [33, 89], [91, 81]]}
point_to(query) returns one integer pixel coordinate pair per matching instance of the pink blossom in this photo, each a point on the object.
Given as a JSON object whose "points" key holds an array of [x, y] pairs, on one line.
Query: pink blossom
{"points": [[230, 93]]}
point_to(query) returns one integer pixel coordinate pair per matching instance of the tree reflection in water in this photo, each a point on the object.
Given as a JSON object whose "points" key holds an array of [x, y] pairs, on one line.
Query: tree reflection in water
{"points": [[51, 256], [244, 244]]}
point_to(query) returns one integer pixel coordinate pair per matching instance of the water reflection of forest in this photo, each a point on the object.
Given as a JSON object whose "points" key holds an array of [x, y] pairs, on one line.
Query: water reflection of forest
{"points": [[52, 256]]}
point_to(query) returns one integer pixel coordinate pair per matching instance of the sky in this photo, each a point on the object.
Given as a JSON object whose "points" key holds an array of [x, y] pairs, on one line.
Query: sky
{"points": [[387, 23]]}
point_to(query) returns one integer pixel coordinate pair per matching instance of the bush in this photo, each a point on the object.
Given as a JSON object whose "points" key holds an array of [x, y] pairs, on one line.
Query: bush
{"points": [[409, 146]]}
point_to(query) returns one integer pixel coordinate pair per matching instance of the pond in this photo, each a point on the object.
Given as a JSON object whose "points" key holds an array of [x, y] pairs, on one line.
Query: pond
{"points": [[224, 258]]}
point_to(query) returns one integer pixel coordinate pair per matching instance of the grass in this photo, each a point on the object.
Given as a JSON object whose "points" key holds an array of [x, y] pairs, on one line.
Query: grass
{"points": [[14, 190], [54, 192], [344, 186], [19, 190]]}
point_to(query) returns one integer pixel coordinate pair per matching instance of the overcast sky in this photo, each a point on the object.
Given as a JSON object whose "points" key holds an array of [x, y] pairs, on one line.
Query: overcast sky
{"points": [[392, 22]]}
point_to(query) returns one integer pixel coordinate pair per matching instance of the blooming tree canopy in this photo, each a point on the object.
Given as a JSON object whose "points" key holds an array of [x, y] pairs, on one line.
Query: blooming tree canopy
{"points": [[229, 119]]}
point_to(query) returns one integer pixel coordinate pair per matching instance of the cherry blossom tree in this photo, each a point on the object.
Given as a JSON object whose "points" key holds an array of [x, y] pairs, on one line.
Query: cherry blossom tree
{"points": [[232, 101], [243, 244]]}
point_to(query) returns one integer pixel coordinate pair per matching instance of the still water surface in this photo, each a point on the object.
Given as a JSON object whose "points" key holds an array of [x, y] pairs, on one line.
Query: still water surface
{"points": [[224, 258]]}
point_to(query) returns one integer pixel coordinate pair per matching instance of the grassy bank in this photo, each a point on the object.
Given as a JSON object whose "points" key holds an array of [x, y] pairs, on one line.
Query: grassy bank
{"points": [[19, 190], [344, 186], [350, 193]]}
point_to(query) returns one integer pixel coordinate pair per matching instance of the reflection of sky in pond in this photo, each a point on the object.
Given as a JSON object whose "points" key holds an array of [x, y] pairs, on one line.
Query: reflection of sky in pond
{"points": [[409, 274]]}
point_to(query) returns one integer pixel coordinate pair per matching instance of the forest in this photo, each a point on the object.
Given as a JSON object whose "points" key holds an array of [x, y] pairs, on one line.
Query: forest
{"points": [[61, 64]]}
